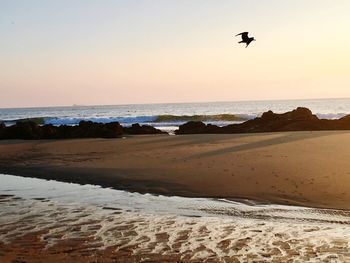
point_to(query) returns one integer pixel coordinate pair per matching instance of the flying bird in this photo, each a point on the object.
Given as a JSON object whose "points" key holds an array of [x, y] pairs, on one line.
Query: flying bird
{"points": [[245, 38]]}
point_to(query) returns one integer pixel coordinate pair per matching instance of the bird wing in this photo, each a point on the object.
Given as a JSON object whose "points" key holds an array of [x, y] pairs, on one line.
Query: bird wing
{"points": [[244, 35]]}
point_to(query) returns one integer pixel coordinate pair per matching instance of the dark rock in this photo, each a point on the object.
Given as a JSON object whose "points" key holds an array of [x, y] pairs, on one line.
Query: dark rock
{"points": [[30, 130], [144, 129], [49, 132], [2, 129], [297, 114], [89, 129], [22, 130], [301, 114], [193, 127], [113, 129], [300, 119], [345, 118]]}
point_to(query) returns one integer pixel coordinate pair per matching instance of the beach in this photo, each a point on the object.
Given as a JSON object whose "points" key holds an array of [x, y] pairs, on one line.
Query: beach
{"points": [[299, 168], [260, 197], [43, 221]]}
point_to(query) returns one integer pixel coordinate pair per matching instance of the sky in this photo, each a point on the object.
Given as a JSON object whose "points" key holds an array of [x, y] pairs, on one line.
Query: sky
{"points": [[64, 52]]}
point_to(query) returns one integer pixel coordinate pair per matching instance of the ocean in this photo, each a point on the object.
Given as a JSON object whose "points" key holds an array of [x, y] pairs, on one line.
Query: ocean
{"points": [[170, 115]]}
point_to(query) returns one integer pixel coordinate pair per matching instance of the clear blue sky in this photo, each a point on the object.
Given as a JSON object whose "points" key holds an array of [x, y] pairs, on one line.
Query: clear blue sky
{"points": [[112, 52]]}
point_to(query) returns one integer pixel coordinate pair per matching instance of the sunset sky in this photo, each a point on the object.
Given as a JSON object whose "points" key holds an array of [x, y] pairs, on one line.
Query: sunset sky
{"points": [[136, 51]]}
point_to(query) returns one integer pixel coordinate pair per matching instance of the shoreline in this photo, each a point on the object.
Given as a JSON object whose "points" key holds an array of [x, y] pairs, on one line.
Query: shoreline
{"points": [[42, 229], [267, 167], [124, 185]]}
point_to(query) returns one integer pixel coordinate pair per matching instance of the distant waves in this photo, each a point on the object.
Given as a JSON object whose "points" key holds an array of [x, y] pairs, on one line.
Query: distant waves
{"points": [[160, 120], [156, 121]]}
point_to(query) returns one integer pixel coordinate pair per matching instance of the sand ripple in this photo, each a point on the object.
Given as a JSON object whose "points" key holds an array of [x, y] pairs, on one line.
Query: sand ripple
{"points": [[146, 236]]}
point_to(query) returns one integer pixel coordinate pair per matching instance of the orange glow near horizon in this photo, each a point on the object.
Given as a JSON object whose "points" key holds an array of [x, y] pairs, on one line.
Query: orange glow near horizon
{"points": [[161, 51]]}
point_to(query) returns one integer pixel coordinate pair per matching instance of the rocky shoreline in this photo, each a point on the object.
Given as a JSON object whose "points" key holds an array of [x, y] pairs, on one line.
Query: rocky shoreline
{"points": [[30, 130], [300, 119]]}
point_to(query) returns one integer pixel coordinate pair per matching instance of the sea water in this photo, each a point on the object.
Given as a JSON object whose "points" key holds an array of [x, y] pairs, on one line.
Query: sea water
{"points": [[195, 228], [169, 116]]}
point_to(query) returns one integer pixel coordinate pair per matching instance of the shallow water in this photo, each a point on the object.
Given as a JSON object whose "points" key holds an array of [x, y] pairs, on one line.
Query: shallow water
{"points": [[197, 228], [33, 188]]}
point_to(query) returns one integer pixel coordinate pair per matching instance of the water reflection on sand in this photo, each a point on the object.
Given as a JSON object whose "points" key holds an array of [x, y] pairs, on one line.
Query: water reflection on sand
{"points": [[188, 228]]}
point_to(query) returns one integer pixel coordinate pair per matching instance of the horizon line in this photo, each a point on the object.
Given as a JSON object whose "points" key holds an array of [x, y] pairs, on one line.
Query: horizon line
{"points": [[159, 103]]}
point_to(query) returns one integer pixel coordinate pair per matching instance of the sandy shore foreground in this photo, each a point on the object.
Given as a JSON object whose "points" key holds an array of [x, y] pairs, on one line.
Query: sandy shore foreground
{"points": [[44, 230], [301, 168]]}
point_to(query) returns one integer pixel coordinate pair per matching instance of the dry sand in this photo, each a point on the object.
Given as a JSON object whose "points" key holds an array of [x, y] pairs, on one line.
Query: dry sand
{"points": [[301, 168]]}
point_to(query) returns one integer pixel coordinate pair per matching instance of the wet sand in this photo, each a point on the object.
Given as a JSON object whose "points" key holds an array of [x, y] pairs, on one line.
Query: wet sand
{"points": [[49, 231], [300, 168]]}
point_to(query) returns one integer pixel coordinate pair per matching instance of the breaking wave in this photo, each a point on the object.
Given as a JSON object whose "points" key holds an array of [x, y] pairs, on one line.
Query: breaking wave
{"points": [[156, 120], [204, 118], [166, 120]]}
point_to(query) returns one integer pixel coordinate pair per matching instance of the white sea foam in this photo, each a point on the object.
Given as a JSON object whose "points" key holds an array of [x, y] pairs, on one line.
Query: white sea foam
{"points": [[195, 228], [147, 114], [331, 116], [123, 120]]}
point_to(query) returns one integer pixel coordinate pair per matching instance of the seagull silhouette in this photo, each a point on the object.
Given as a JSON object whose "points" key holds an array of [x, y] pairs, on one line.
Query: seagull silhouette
{"points": [[245, 38]]}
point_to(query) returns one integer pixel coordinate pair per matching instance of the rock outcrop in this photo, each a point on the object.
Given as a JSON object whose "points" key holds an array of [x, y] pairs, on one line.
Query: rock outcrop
{"points": [[144, 129], [300, 119], [29, 130]]}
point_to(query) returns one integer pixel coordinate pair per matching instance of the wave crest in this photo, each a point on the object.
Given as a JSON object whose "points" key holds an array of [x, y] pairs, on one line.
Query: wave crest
{"points": [[204, 118], [37, 120]]}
